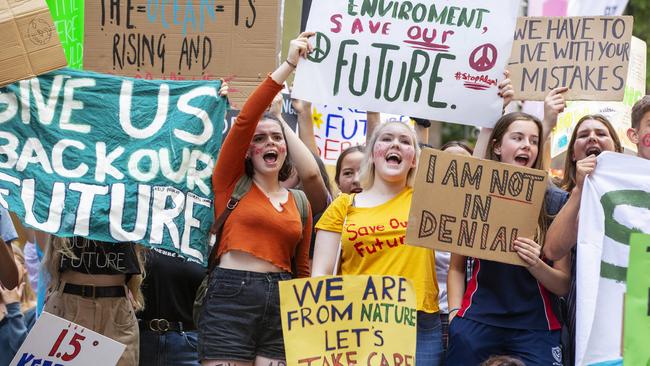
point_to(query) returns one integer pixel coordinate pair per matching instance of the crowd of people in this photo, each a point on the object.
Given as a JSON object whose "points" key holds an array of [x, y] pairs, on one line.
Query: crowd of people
{"points": [[277, 218]]}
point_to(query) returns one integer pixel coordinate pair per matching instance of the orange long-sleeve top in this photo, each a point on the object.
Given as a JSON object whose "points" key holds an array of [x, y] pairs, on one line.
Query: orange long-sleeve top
{"points": [[255, 226]]}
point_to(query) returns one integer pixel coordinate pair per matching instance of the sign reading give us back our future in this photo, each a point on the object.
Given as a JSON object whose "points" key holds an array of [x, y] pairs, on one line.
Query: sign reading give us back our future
{"points": [[437, 60], [111, 158]]}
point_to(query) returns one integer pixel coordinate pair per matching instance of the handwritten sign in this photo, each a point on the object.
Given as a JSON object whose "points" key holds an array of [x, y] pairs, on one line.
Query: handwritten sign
{"points": [[113, 159], [618, 113], [68, 16], [589, 55], [438, 61], [184, 40], [349, 320], [637, 303], [474, 207], [58, 342]]}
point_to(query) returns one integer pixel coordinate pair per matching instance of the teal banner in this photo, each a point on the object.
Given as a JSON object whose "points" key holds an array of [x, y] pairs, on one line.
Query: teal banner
{"points": [[112, 158]]}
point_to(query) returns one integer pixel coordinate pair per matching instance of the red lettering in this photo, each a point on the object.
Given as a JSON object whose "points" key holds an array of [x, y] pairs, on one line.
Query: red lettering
{"points": [[327, 149], [335, 19], [357, 26]]}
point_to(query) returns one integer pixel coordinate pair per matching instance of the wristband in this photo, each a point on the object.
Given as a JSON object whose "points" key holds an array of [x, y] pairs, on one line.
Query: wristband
{"points": [[290, 63]]}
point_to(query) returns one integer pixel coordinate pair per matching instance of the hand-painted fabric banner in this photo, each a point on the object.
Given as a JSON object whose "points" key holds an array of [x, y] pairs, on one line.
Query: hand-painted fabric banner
{"points": [[615, 204], [436, 60], [111, 158]]}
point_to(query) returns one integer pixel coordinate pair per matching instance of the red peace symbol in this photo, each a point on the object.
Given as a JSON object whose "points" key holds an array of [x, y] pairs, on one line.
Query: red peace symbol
{"points": [[486, 60]]}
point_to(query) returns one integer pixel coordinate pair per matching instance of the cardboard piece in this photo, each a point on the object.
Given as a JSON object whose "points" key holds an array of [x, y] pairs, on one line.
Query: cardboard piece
{"points": [[636, 334], [474, 207], [234, 40], [349, 320], [30, 42], [56, 341], [590, 55]]}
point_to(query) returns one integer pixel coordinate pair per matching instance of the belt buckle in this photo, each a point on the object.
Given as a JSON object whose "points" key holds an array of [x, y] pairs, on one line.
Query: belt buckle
{"points": [[84, 292], [159, 325]]}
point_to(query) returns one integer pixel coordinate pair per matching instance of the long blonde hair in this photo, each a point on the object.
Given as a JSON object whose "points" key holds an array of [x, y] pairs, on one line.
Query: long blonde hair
{"points": [[28, 298], [59, 247], [367, 173]]}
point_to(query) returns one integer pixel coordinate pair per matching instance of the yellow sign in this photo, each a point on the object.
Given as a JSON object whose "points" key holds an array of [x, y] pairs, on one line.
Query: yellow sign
{"points": [[349, 320]]}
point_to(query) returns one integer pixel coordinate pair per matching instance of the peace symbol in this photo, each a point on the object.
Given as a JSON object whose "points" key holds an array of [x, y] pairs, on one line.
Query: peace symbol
{"points": [[321, 49], [486, 60]]}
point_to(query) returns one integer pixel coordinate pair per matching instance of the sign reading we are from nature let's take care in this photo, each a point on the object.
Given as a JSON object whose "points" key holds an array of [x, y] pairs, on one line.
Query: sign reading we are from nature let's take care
{"points": [[474, 207], [438, 60]]}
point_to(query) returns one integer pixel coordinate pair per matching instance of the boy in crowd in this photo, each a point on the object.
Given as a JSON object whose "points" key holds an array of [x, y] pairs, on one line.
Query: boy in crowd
{"points": [[639, 133]]}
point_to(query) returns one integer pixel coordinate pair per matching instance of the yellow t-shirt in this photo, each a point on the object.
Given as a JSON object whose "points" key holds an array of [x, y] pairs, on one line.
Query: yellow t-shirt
{"points": [[373, 242]]}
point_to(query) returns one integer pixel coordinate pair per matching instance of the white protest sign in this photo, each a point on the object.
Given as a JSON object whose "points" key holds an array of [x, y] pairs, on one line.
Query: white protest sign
{"points": [[438, 61], [615, 204], [55, 341]]}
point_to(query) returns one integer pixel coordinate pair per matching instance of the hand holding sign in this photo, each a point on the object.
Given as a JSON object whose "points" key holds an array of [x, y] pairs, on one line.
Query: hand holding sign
{"points": [[300, 47]]}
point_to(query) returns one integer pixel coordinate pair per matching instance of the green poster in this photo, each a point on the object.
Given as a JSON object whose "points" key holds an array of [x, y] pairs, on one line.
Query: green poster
{"points": [[68, 16], [637, 303]]}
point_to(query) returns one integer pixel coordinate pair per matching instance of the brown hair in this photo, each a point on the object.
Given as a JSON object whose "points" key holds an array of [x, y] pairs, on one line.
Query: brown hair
{"points": [[498, 132], [287, 166], [641, 107], [460, 144], [339, 161], [502, 361], [569, 178]]}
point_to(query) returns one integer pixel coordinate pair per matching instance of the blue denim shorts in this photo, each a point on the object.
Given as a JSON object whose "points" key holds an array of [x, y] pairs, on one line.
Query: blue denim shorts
{"points": [[241, 316]]}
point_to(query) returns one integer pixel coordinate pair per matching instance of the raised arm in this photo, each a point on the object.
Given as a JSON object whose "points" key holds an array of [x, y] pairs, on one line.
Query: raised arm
{"points": [[506, 91], [373, 119], [305, 124], [554, 104]]}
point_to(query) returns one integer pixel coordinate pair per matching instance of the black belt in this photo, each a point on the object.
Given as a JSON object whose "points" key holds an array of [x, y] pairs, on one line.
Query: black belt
{"points": [[162, 325], [94, 291]]}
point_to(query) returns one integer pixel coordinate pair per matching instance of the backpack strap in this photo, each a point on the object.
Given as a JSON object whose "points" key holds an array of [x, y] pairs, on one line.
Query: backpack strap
{"points": [[241, 188], [301, 203]]}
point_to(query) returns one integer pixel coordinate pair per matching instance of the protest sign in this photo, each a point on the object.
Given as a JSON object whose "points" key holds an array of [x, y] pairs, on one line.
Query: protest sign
{"points": [[56, 341], [474, 207], [596, 7], [113, 159], [618, 113], [589, 55], [349, 320], [615, 203], [637, 303], [438, 61], [185, 39], [68, 18], [30, 43]]}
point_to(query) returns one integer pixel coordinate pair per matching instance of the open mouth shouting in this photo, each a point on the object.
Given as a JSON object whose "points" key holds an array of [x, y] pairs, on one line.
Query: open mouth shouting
{"points": [[270, 157], [593, 150], [393, 159], [522, 159]]}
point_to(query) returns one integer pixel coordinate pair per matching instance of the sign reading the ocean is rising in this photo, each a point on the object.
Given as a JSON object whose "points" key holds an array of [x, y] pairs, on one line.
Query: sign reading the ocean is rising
{"points": [[349, 320], [437, 60], [113, 159]]}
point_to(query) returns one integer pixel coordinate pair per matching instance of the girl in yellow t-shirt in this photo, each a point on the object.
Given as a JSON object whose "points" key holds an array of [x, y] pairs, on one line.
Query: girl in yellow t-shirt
{"points": [[371, 227]]}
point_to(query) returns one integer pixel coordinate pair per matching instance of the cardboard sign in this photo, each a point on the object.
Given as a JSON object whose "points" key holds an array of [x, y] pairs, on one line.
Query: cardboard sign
{"points": [[185, 40], [589, 55], [113, 159], [615, 204], [56, 341], [618, 113], [30, 43], [68, 18], [637, 303], [439, 61], [474, 207], [349, 320]]}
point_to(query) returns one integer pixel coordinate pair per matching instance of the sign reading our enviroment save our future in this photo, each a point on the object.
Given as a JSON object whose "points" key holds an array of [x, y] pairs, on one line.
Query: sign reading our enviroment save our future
{"points": [[437, 60], [349, 320], [111, 158]]}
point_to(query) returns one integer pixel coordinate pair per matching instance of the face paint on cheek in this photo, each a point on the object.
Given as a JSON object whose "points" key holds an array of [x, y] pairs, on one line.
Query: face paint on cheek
{"points": [[282, 148], [254, 150], [646, 140], [380, 150]]}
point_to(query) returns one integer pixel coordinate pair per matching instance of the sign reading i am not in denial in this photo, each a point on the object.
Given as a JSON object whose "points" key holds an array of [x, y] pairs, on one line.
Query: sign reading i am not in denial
{"points": [[589, 55], [474, 207]]}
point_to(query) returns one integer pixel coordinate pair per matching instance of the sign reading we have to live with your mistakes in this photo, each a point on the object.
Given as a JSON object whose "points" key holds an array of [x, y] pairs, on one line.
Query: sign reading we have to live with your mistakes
{"points": [[437, 60], [474, 207], [111, 158], [349, 320], [237, 40], [589, 55]]}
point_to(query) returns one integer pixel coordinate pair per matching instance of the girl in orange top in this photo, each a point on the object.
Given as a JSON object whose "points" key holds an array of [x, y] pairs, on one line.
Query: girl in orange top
{"points": [[240, 320]]}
